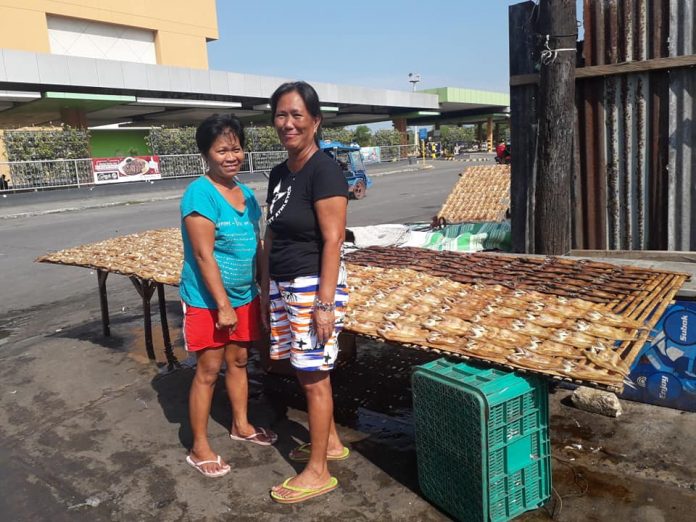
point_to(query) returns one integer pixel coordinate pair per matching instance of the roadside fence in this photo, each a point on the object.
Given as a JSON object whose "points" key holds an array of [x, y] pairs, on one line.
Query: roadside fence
{"points": [[16, 176], [47, 174], [396, 152], [30, 175]]}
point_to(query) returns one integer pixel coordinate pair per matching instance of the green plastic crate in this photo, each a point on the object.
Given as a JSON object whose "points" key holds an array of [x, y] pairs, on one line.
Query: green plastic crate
{"points": [[482, 440]]}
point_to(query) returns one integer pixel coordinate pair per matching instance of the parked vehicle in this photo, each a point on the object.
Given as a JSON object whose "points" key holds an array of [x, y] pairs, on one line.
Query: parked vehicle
{"points": [[503, 155], [350, 160]]}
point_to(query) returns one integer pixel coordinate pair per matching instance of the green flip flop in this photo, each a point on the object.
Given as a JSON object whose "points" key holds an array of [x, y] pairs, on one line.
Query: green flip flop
{"points": [[303, 493], [301, 453]]}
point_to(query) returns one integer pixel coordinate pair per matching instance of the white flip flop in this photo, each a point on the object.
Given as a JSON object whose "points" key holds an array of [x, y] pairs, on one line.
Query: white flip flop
{"points": [[212, 474], [254, 437]]}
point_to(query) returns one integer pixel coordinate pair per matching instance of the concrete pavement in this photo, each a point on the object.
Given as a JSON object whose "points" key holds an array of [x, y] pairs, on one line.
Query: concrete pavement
{"points": [[91, 430]]}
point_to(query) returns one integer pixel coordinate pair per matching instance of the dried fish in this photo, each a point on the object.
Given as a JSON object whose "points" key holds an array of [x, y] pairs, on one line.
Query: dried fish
{"points": [[607, 332], [448, 325], [552, 348], [415, 308], [605, 358], [533, 360], [440, 340], [403, 333]]}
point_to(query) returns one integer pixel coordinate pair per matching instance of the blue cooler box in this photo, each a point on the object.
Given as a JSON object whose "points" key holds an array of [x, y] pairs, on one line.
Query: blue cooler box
{"points": [[665, 371]]}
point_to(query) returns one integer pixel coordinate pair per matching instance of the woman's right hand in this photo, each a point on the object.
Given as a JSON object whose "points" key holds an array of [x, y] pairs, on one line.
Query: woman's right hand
{"points": [[227, 319]]}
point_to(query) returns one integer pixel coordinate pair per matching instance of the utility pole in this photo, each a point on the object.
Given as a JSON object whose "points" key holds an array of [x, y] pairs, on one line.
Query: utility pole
{"points": [[552, 204]]}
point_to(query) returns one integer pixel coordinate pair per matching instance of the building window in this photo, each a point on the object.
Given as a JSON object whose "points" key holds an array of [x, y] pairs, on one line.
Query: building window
{"points": [[77, 37]]}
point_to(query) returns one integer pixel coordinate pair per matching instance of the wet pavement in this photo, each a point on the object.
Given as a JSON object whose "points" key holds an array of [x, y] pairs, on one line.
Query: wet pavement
{"points": [[91, 430]]}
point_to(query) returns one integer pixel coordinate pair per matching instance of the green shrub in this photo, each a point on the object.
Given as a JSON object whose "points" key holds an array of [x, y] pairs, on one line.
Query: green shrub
{"points": [[172, 140], [261, 139], [49, 144], [337, 134]]}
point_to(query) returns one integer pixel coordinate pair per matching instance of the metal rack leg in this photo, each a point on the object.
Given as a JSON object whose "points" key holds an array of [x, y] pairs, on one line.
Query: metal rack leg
{"points": [[146, 289], [172, 361], [103, 302]]}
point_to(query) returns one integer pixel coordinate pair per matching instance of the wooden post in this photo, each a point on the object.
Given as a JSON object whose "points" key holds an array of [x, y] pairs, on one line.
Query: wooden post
{"points": [[523, 125], [557, 28]]}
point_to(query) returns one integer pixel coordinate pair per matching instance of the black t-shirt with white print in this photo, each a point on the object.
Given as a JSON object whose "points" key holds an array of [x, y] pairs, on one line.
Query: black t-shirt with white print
{"points": [[297, 241]]}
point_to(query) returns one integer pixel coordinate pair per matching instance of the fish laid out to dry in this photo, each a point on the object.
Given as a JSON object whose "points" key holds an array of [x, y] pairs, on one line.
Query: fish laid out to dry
{"points": [[569, 318], [441, 306]]}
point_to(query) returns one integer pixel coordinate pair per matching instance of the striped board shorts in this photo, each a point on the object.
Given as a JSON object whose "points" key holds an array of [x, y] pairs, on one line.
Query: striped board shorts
{"points": [[292, 328]]}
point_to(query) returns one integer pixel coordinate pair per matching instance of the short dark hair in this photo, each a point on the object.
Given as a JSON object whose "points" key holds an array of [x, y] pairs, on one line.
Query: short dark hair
{"points": [[307, 93], [215, 126]]}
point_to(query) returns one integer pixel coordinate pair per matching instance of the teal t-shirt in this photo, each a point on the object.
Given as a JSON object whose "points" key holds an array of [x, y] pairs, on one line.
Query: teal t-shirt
{"points": [[236, 238]]}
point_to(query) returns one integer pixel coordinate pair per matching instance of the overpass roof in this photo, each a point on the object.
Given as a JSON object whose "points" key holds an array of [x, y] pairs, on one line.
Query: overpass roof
{"points": [[35, 88], [457, 105]]}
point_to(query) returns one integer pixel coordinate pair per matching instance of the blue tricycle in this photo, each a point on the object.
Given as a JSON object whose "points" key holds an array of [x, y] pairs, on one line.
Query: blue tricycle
{"points": [[350, 160]]}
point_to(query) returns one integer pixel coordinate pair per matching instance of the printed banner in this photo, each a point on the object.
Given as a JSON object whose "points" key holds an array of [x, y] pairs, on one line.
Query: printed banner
{"points": [[370, 154], [132, 168]]}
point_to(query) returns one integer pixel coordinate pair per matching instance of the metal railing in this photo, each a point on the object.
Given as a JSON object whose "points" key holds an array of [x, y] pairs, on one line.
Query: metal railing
{"points": [[17, 176], [396, 152], [29, 175], [264, 161]]}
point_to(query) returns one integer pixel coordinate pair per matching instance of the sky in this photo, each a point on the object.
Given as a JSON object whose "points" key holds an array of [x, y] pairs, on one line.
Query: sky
{"points": [[370, 43]]}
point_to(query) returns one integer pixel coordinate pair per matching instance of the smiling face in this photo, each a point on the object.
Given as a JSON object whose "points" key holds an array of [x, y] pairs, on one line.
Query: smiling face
{"points": [[225, 157], [295, 125]]}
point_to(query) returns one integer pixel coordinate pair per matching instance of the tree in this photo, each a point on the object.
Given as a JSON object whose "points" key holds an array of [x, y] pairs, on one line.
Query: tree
{"points": [[386, 137], [451, 135], [337, 134], [362, 135]]}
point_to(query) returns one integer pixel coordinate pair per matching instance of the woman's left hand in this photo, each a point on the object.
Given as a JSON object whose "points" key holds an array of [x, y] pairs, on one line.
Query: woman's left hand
{"points": [[324, 324]]}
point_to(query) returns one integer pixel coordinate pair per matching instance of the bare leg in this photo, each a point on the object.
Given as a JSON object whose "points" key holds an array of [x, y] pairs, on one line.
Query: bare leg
{"points": [[335, 446], [317, 388], [208, 366], [237, 383]]}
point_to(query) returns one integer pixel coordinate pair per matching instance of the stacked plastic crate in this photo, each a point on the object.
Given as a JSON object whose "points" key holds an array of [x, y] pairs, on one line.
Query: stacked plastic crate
{"points": [[482, 440]]}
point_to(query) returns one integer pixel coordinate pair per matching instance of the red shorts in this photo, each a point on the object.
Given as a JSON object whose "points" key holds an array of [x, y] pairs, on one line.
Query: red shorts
{"points": [[200, 331]]}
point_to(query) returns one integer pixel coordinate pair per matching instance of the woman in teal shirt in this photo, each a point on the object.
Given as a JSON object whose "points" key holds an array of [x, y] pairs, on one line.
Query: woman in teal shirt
{"points": [[220, 232]]}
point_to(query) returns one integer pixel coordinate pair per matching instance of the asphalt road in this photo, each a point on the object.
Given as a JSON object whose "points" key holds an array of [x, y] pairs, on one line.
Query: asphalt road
{"points": [[394, 198]]}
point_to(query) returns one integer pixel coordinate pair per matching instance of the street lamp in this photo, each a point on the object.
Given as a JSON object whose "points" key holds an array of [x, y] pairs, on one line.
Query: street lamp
{"points": [[414, 78]]}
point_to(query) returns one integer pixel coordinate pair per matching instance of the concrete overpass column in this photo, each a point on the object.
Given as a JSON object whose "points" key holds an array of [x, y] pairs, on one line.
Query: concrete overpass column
{"points": [[73, 116], [489, 137], [479, 133], [400, 125]]}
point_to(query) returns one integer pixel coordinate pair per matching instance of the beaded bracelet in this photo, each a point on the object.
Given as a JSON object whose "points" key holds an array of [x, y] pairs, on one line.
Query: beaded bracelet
{"points": [[324, 307]]}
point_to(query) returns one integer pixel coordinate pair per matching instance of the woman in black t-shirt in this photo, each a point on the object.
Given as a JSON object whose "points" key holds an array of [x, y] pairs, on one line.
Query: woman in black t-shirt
{"points": [[305, 283]]}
